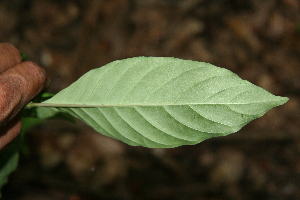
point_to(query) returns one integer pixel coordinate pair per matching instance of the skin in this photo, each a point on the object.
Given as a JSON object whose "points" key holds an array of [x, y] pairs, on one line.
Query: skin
{"points": [[19, 83]]}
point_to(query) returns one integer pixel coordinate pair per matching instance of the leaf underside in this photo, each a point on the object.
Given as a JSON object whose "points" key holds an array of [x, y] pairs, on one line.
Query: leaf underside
{"points": [[161, 102]]}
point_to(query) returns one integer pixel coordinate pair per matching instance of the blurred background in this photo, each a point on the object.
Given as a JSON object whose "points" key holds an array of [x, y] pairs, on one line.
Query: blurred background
{"points": [[258, 40]]}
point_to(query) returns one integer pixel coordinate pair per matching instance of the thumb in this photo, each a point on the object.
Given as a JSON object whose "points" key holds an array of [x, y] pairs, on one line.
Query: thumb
{"points": [[18, 85]]}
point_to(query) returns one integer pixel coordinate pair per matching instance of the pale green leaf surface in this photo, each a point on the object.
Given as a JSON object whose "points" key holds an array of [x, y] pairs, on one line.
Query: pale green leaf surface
{"points": [[163, 102]]}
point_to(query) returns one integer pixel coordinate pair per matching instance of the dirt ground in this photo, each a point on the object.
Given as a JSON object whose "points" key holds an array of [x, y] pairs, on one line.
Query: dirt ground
{"points": [[258, 40]]}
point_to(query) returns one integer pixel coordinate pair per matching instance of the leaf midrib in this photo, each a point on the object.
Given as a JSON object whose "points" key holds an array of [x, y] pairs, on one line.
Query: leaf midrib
{"points": [[133, 105]]}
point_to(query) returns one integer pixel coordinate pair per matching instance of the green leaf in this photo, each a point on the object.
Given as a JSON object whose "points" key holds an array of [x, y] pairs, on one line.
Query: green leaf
{"points": [[53, 113], [163, 102], [9, 158], [23, 56], [29, 122]]}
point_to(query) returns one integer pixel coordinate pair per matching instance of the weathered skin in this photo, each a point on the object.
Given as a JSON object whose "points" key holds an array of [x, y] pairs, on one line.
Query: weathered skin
{"points": [[19, 83]]}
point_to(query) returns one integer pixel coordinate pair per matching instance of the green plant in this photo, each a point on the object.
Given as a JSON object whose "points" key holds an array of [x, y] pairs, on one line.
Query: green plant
{"points": [[158, 102]]}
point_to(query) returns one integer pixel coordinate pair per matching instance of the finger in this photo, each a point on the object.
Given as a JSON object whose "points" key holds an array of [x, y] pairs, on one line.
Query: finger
{"points": [[18, 85], [10, 132], [9, 56]]}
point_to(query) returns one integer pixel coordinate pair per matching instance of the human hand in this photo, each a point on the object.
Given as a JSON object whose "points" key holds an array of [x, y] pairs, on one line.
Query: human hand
{"points": [[19, 83]]}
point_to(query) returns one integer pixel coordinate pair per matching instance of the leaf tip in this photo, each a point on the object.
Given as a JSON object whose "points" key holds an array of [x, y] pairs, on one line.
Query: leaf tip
{"points": [[283, 100]]}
